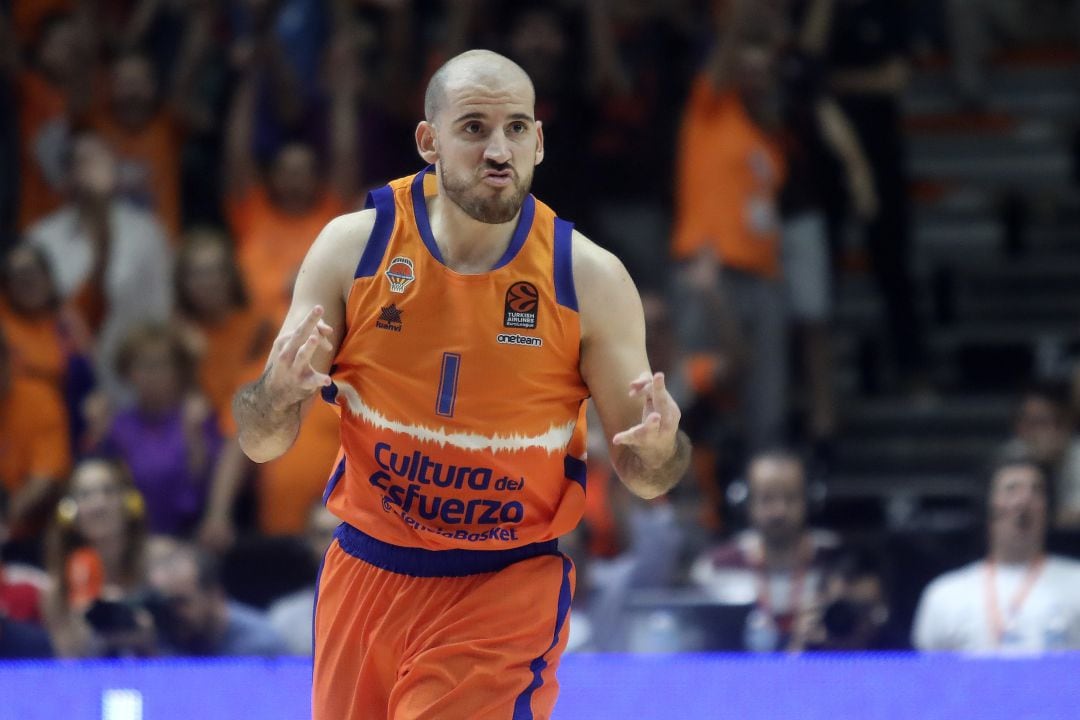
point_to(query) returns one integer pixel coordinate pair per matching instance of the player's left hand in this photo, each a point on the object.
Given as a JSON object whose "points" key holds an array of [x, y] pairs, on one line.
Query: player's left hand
{"points": [[652, 440]]}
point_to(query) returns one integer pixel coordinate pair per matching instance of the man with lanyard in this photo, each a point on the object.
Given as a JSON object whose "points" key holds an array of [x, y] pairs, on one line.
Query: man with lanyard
{"points": [[1018, 599], [776, 563]]}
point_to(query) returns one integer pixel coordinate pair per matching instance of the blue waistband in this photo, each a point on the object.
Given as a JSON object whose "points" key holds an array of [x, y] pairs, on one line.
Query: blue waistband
{"points": [[419, 562]]}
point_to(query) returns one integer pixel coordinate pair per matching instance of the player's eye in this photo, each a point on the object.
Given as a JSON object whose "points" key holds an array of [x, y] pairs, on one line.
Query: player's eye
{"points": [[518, 128], [472, 128]]}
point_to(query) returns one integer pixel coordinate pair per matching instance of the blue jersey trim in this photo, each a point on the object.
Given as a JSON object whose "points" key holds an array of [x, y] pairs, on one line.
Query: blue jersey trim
{"points": [[382, 199], [419, 562], [565, 294], [315, 603], [332, 483], [523, 704], [423, 223], [521, 232], [329, 392], [575, 470]]}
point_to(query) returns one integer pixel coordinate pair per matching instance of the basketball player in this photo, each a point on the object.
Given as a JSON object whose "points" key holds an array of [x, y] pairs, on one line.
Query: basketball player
{"points": [[459, 326]]}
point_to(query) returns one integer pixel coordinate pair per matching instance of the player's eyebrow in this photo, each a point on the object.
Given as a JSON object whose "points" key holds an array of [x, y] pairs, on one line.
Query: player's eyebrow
{"points": [[477, 115]]}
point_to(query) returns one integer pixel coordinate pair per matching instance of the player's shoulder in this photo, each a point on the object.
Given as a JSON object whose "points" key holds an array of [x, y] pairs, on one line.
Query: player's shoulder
{"points": [[343, 239], [600, 278], [353, 228], [590, 258]]}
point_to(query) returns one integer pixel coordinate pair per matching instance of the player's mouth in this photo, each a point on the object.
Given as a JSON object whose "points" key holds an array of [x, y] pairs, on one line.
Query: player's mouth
{"points": [[498, 178]]}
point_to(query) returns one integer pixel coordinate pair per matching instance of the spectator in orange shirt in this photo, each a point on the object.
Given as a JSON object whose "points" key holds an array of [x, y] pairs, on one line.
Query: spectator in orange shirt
{"points": [[35, 451], [275, 218], [52, 86], [217, 320], [145, 123], [48, 341], [727, 233], [146, 137]]}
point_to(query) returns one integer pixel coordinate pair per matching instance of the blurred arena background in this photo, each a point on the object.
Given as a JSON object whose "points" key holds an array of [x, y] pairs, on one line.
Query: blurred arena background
{"points": [[856, 228]]}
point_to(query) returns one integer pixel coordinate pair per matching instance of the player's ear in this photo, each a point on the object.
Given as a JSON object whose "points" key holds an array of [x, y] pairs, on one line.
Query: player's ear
{"points": [[539, 142], [426, 143]]}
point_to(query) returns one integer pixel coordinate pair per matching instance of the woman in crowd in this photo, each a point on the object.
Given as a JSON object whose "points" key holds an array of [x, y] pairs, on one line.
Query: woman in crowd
{"points": [[95, 558]]}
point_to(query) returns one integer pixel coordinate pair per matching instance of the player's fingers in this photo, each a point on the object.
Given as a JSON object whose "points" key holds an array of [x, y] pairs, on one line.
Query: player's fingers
{"points": [[663, 403], [316, 380], [306, 352], [309, 323], [324, 328], [641, 385], [640, 433], [632, 437], [652, 420], [295, 339]]}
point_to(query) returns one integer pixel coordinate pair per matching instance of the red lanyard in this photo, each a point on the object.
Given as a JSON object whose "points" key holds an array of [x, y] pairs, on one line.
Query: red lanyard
{"points": [[764, 592], [993, 612]]}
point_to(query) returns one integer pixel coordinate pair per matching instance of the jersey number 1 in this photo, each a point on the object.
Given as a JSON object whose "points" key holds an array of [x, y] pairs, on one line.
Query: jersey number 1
{"points": [[448, 379]]}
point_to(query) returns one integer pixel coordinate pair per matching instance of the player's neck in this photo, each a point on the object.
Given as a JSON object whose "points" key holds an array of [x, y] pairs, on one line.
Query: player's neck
{"points": [[468, 246]]}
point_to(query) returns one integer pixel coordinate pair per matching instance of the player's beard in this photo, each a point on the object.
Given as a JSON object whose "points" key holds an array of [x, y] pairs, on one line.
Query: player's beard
{"points": [[475, 200]]}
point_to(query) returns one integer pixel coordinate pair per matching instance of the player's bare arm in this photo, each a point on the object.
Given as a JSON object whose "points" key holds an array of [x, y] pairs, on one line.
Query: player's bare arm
{"points": [[639, 416], [268, 411]]}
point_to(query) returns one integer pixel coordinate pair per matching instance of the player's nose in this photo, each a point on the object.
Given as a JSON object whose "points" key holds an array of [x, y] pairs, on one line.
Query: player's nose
{"points": [[498, 149]]}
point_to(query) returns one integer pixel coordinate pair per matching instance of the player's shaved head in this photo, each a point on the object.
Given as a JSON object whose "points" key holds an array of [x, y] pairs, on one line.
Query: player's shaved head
{"points": [[482, 67]]}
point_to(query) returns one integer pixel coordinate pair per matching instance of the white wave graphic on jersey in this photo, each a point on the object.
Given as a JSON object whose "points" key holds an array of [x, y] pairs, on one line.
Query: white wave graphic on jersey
{"points": [[553, 441]]}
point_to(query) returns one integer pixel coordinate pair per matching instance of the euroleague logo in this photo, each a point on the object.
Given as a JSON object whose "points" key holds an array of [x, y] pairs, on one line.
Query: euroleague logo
{"points": [[522, 301], [400, 273]]}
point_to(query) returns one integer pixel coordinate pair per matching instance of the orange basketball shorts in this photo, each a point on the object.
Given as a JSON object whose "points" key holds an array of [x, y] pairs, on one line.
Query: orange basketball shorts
{"points": [[405, 633]]}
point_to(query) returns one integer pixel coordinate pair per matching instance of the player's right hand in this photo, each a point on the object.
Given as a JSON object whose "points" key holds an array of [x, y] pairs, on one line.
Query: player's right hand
{"points": [[290, 377]]}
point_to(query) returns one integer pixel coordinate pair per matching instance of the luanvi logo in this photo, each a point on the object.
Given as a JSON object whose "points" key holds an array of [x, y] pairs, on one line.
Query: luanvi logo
{"points": [[521, 303], [389, 318]]}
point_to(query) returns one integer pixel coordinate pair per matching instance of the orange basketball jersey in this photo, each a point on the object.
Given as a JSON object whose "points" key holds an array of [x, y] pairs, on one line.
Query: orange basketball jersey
{"points": [[462, 404]]}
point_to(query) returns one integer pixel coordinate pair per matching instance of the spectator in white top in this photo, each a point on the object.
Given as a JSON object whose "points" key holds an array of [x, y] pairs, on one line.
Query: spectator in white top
{"points": [[1016, 600], [111, 258], [775, 564]]}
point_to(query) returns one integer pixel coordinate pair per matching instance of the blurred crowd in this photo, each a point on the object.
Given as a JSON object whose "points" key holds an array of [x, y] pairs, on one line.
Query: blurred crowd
{"points": [[166, 163]]}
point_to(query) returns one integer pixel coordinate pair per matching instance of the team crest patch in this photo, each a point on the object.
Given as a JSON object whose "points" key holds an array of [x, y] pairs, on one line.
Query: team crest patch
{"points": [[522, 301], [400, 274], [389, 318]]}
